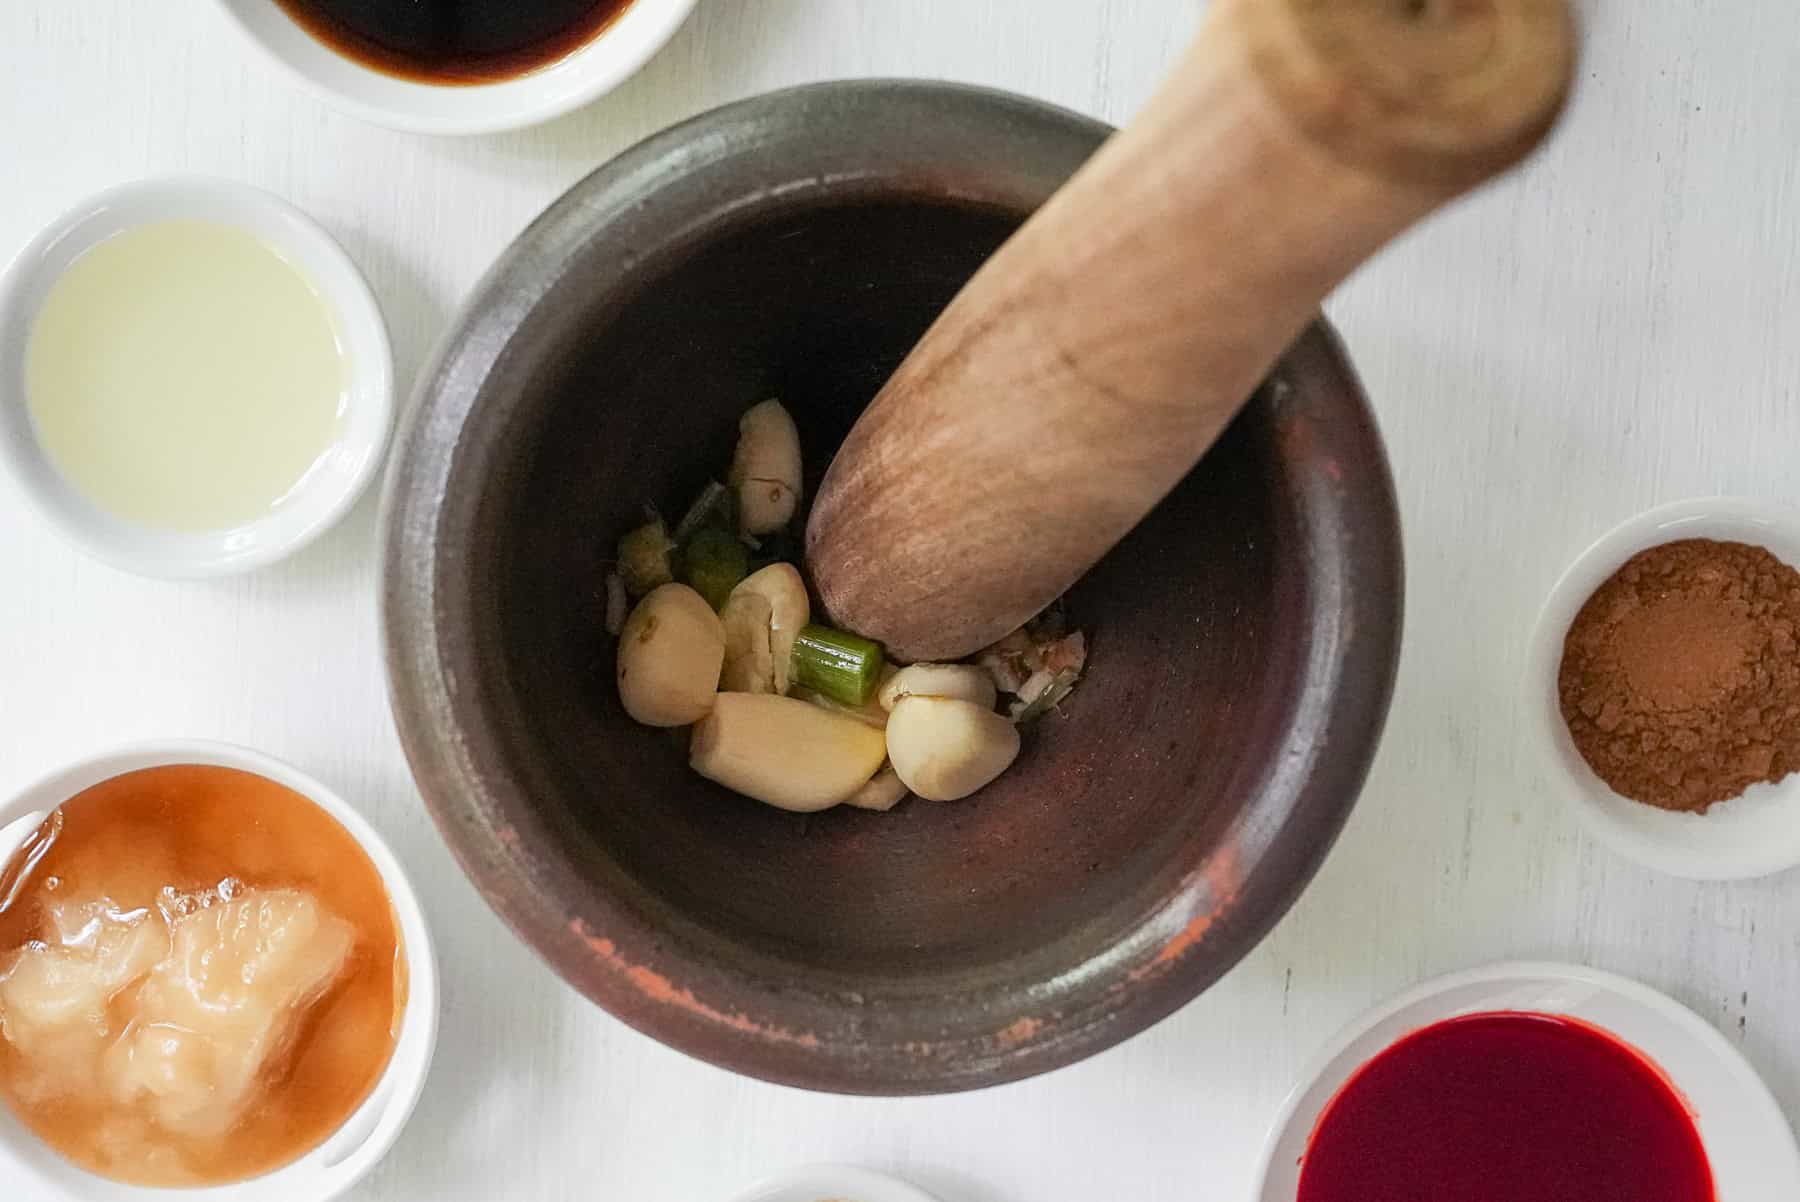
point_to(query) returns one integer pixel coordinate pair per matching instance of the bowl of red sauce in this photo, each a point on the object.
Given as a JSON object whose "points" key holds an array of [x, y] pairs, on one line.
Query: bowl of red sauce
{"points": [[1531, 1083]]}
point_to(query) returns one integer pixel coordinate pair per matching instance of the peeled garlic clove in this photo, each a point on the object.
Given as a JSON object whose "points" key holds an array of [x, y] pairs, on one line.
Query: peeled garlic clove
{"points": [[670, 654], [883, 793], [789, 611], [765, 471], [784, 752], [945, 748], [961, 681], [749, 666]]}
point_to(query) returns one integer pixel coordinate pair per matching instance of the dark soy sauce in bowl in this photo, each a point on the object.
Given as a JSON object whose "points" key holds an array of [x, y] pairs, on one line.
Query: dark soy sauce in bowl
{"points": [[455, 41]]}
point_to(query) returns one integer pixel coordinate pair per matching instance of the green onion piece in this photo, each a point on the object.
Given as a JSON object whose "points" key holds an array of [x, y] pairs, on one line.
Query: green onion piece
{"points": [[714, 509], [713, 562], [844, 667]]}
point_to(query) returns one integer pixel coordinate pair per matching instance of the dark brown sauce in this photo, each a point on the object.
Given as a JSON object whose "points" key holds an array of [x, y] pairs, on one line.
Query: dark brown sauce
{"points": [[455, 41], [189, 826]]}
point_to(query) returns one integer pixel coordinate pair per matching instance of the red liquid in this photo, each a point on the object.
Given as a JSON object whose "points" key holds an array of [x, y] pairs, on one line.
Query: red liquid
{"points": [[1507, 1108]]}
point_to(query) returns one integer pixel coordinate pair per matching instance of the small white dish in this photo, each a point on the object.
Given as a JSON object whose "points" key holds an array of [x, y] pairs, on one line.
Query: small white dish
{"points": [[1750, 836], [1747, 1139], [327, 492], [833, 1183], [580, 77], [31, 1171]]}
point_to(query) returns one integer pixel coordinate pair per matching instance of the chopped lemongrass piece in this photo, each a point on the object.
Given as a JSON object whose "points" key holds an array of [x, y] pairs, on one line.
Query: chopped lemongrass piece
{"points": [[644, 558], [1067, 654], [712, 509], [1053, 694], [618, 604], [1011, 661], [843, 666]]}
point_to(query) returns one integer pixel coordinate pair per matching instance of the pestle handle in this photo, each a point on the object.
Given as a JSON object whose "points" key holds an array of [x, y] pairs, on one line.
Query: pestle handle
{"points": [[1098, 354]]}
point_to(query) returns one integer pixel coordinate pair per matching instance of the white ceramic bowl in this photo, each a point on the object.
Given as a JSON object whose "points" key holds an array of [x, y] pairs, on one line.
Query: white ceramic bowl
{"points": [[582, 76], [833, 1183], [1748, 1141], [1753, 835], [31, 1172], [327, 492]]}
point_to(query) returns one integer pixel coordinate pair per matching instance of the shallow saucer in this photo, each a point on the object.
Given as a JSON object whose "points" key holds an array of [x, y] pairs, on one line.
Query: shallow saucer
{"points": [[1748, 1141], [323, 496], [833, 1183], [1750, 836], [31, 1172]]}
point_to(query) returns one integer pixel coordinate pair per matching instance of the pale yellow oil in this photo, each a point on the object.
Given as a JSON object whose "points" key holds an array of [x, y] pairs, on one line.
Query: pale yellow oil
{"points": [[184, 375]]}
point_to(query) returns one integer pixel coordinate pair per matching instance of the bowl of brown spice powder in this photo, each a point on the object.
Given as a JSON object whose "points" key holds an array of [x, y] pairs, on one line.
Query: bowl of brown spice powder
{"points": [[1663, 687]]}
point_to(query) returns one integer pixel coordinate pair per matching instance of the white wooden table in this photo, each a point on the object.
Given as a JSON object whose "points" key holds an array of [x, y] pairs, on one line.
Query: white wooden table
{"points": [[1616, 327]]}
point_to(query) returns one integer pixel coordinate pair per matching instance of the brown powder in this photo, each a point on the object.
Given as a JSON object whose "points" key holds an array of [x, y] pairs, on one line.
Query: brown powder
{"points": [[1680, 681]]}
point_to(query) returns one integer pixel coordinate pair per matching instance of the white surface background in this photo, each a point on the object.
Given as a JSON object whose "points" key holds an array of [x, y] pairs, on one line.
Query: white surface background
{"points": [[1618, 326]]}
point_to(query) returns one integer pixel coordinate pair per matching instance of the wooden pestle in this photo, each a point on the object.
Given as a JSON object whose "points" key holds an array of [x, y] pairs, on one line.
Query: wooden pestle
{"points": [[1091, 362]]}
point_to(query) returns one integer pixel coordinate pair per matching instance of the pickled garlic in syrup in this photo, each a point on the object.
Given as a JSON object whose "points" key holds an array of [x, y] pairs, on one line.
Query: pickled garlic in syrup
{"points": [[160, 1030]]}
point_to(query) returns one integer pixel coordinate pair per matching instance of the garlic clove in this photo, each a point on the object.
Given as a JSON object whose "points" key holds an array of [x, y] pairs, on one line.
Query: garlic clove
{"points": [[749, 664], [962, 681], [944, 748], [670, 653], [765, 470], [882, 793], [789, 611], [784, 752]]}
